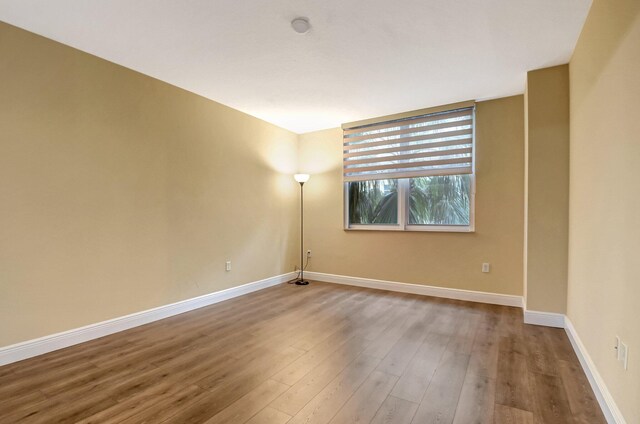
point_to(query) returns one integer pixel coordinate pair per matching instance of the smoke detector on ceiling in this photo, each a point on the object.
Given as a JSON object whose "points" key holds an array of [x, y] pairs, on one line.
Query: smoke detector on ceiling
{"points": [[301, 25]]}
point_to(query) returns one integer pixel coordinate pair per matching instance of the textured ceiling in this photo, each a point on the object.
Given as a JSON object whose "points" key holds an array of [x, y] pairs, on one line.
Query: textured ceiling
{"points": [[361, 59]]}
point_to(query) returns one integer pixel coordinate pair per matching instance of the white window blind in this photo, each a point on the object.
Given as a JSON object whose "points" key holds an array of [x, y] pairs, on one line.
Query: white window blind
{"points": [[434, 144]]}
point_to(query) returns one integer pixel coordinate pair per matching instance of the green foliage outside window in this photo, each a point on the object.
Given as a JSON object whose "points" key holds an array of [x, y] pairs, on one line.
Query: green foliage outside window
{"points": [[437, 200]]}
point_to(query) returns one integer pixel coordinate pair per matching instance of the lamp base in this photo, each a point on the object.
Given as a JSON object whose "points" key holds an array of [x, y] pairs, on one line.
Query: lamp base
{"points": [[302, 282]]}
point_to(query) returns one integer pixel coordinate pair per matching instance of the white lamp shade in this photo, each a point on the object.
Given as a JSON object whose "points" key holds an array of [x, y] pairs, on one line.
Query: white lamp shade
{"points": [[301, 178]]}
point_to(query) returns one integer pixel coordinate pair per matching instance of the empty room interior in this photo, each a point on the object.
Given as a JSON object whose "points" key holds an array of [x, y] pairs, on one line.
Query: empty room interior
{"points": [[320, 212]]}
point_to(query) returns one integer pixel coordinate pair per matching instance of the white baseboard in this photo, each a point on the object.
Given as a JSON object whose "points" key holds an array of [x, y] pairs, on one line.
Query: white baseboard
{"points": [[547, 319], [607, 404], [31, 348], [469, 295]]}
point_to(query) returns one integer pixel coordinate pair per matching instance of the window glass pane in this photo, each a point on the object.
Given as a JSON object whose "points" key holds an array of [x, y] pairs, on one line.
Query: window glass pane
{"points": [[439, 200], [373, 202]]}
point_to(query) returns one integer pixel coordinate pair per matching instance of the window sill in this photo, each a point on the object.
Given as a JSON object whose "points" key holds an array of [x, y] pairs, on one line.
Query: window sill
{"points": [[414, 228]]}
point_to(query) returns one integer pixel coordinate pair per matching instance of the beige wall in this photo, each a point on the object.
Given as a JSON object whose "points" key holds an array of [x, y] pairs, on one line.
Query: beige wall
{"points": [[547, 189], [442, 259], [604, 235], [119, 193]]}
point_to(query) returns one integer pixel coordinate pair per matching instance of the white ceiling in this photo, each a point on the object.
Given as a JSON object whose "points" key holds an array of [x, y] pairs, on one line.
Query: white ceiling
{"points": [[361, 59]]}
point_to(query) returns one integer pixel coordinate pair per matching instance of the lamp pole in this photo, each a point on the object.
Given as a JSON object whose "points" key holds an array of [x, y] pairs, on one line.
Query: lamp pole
{"points": [[301, 178]]}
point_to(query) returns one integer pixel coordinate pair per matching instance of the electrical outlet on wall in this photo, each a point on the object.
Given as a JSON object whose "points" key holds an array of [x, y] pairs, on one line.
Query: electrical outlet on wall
{"points": [[486, 267], [227, 266], [308, 253]]}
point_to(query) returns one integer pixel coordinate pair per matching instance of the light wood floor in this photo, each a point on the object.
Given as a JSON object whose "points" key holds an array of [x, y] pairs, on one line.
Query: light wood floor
{"points": [[316, 354]]}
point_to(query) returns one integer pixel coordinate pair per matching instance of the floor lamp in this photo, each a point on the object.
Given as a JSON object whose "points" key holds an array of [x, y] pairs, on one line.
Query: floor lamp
{"points": [[301, 178]]}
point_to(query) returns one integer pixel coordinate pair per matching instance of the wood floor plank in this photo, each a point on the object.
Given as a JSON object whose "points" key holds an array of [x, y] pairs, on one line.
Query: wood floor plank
{"points": [[294, 399], [135, 404], [332, 320], [244, 351], [363, 405], [405, 348], [462, 339], [24, 412], [560, 345], [513, 344], [197, 409], [168, 407], [122, 371], [137, 382], [6, 371], [484, 353], [322, 408], [64, 410], [541, 358], [447, 319], [392, 332], [238, 350], [250, 404], [395, 411], [510, 323], [441, 399], [232, 340], [11, 403], [379, 314], [551, 403], [508, 415], [270, 416], [416, 379], [512, 384], [477, 400], [304, 364], [582, 400], [229, 387], [19, 386]]}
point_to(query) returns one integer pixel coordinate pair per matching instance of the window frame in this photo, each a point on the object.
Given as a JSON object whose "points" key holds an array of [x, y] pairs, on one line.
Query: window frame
{"points": [[403, 212], [403, 205]]}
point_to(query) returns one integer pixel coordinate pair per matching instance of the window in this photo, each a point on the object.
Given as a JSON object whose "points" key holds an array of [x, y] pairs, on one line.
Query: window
{"points": [[373, 202], [414, 174]]}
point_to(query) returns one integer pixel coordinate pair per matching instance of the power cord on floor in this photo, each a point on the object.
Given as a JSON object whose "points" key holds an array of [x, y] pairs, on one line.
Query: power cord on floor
{"points": [[299, 272]]}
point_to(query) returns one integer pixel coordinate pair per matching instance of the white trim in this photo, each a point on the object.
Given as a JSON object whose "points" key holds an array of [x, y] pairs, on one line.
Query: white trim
{"points": [[35, 347], [469, 295], [607, 404], [375, 227], [547, 319], [440, 228], [403, 201]]}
